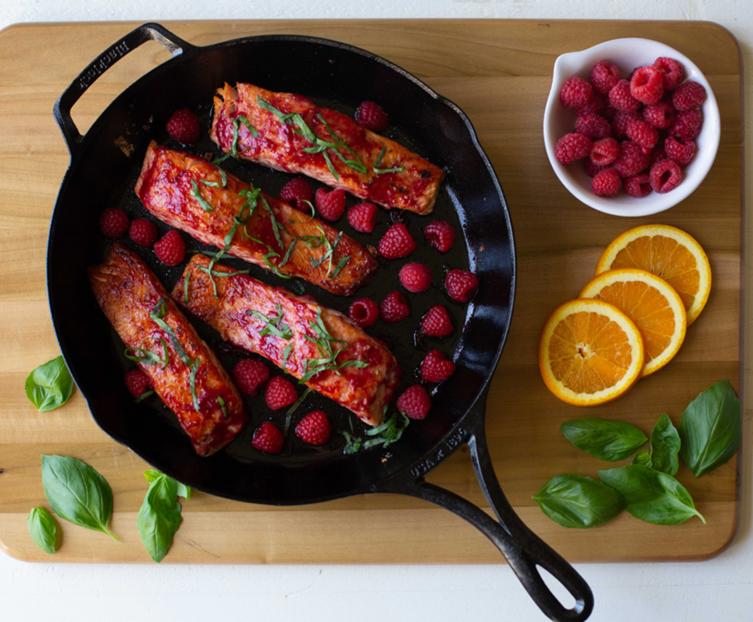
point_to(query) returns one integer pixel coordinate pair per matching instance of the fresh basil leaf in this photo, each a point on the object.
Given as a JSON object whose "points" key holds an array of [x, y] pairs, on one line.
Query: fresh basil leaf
{"points": [[151, 475], [578, 501], [651, 495], [49, 386], [642, 457], [160, 515], [665, 446], [77, 492], [710, 428], [604, 438], [44, 530]]}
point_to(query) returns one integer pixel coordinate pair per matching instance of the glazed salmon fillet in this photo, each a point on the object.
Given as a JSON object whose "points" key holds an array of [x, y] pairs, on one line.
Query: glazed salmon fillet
{"points": [[290, 133], [200, 198], [184, 372], [320, 347]]}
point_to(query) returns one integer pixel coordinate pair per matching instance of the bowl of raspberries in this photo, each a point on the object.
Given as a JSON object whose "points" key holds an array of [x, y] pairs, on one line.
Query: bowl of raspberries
{"points": [[631, 126]]}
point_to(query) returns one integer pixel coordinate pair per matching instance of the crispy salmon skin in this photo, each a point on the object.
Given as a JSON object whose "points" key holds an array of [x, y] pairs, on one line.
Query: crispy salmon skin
{"points": [[319, 346], [200, 198], [183, 370], [291, 133]]}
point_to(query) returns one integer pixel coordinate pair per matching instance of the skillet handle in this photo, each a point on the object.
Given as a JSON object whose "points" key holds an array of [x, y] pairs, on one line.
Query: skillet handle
{"points": [[142, 34]]}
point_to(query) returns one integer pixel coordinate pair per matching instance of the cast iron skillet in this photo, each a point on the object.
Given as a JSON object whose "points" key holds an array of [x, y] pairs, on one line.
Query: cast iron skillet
{"points": [[104, 164]]}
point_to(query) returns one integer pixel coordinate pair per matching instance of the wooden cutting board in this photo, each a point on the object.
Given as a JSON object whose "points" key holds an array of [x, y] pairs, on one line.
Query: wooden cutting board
{"points": [[499, 73]]}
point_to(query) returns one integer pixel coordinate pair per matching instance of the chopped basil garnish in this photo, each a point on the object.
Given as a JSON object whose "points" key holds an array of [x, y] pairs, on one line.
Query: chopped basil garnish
{"points": [[144, 395], [293, 408], [157, 314], [273, 325], [223, 408], [200, 199], [243, 119], [382, 435], [377, 168], [195, 364], [325, 343], [286, 355], [328, 253], [288, 252], [340, 265], [275, 224]]}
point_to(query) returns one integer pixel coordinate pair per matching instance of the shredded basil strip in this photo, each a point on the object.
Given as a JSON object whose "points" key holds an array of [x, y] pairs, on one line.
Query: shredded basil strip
{"points": [[273, 325], [223, 408], [340, 265], [244, 119], [200, 199], [144, 395], [185, 286], [382, 435], [381, 171], [157, 313], [293, 408], [195, 364], [288, 252], [286, 355], [275, 224]]}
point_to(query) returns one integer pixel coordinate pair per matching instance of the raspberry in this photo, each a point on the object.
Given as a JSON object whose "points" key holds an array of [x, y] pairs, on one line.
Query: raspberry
{"points": [[314, 428], [661, 115], [137, 382], [621, 99], [597, 104], [143, 231], [621, 120], [642, 134], [679, 150], [415, 277], [688, 95], [414, 402], [631, 160], [665, 175], [440, 235], [460, 284], [170, 248], [605, 151], [572, 147], [362, 217], [576, 92], [296, 192], [591, 168], [113, 222], [371, 116], [364, 312], [279, 393], [604, 75], [267, 438], [436, 322], [436, 367], [647, 85], [394, 307], [184, 126], [330, 204], [606, 183], [672, 72], [250, 375], [638, 185], [687, 125], [593, 126], [396, 242]]}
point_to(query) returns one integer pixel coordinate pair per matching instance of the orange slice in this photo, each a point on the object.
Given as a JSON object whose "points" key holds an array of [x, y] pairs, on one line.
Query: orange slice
{"points": [[590, 352], [655, 308], [669, 253]]}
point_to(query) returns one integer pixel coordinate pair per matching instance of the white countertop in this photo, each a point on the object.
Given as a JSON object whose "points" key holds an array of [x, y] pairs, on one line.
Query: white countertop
{"points": [[720, 589]]}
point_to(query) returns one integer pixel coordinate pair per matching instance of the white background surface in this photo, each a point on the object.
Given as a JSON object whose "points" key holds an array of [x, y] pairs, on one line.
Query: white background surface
{"points": [[720, 589]]}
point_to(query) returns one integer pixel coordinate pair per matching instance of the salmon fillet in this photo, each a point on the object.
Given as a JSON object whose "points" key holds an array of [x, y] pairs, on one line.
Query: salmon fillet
{"points": [[184, 372], [194, 195], [290, 133], [320, 347]]}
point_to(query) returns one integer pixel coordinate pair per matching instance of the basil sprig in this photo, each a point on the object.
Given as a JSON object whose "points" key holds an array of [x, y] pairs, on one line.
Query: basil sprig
{"points": [[160, 514], [604, 438], [578, 501], [50, 385], [77, 492], [664, 448], [710, 428], [43, 529], [384, 435]]}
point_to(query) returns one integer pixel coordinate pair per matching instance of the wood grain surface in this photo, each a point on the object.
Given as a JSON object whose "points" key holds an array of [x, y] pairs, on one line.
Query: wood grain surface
{"points": [[499, 73]]}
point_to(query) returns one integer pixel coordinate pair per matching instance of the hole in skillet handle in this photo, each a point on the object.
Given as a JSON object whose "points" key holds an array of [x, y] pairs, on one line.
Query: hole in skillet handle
{"points": [[526, 553]]}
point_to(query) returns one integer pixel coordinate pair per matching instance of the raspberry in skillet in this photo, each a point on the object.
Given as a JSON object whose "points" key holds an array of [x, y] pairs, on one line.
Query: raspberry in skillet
{"points": [[330, 204], [436, 367], [396, 242], [672, 72], [436, 322], [643, 134], [460, 284], [362, 216], [250, 375], [606, 183], [137, 382], [414, 402], [604, 75], [681, 151], [170, 248], [113, 222], [415, 277], [297, 191], [440, 235], [621, 99], [647, 85], [572, 147], [314, 428], [688, 95], [631, 160], [364, 312], [638, 185], [372, 116], [394, 307], [576, 92], [143, 232], [279, 393], [593, 125], [184, 126], [267, 438], [687, 124], [665, 175], [660, 116], [605, 151]]}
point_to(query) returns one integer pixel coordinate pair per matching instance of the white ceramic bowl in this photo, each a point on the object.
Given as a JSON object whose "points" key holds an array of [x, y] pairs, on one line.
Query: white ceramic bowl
{"points": [[558, 120]]}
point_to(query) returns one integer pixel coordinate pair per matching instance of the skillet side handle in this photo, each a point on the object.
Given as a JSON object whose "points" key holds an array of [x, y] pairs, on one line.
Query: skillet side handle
{"points": [[119, 49]]}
